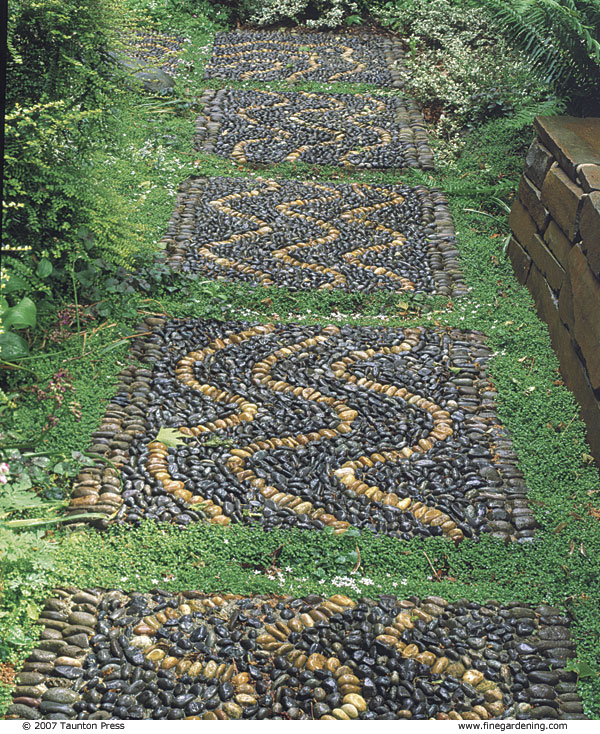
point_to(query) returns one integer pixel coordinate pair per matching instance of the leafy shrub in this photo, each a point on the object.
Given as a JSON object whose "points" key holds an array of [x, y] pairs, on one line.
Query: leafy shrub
{"points": [[312, 13], [460, 68], [562, 41]]}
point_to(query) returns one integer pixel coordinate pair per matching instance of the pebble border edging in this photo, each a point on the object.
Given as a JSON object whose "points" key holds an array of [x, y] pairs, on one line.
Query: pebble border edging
{"points": [[367, 237], [323, 57], [392, 137], [190, 655], [449, 431]]}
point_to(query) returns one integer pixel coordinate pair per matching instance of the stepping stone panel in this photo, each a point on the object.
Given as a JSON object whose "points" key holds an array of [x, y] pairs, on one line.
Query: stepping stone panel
{"points": [[304, 57], [386, 429], [156, 49], [353, 131], [354, 237], [162, 655]]}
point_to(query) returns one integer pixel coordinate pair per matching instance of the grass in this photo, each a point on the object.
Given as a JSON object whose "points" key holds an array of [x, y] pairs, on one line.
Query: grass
{"points": [[559, 567]]}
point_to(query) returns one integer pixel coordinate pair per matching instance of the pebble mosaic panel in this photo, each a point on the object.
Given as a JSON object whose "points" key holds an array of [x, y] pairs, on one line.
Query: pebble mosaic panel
{"points": [[156, 50], [354, 131], [354, 237], [301, 57], [387, 429], [161, 655]]}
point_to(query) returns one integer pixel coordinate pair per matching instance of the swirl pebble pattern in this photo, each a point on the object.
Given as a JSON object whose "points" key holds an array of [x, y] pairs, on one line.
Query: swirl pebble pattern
{"points": [[386, 429], [160, 655], [307, 235], [348, 130], [305, 57]]}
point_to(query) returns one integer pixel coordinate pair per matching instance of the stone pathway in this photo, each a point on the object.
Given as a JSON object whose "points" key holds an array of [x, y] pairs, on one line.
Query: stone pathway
{"points": [[300, 57], [390, 430], [107, 654], [307, 235], [393, 430]]}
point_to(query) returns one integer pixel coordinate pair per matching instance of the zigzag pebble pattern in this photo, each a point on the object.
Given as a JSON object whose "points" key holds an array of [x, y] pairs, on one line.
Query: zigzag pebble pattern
{"points": [[349, 130], [304, 235]]}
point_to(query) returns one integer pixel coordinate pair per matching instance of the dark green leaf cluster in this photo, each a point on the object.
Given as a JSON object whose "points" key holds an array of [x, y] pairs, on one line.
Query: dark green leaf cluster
{"points": [[562, 41]]}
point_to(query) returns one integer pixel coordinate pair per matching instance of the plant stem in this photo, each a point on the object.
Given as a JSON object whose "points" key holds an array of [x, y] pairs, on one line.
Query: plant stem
{"points": [[76, 303], [18, 367]]}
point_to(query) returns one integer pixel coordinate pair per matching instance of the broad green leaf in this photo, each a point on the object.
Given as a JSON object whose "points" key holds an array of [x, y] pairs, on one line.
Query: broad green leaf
{"points": [[21, 316], [171, 437], [12, 346], [15, 283], [44, 268]]}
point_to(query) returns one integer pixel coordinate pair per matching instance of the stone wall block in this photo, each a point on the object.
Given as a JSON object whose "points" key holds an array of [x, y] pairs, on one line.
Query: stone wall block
{"points": [[571, 140], [563, 198], [576, 379], [538, 162], [557, 242], [521, 224], [546, 262], [520, 260], [545, 301], [590, 231], [589, 176], [531, 197], [579, 308]]}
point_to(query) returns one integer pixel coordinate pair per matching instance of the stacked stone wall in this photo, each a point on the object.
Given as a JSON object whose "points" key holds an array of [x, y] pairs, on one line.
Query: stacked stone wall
{"points": [[555, 250]]}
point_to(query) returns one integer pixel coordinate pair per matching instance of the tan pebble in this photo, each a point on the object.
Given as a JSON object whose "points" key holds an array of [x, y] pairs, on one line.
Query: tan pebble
{"points": [[350, 710], [240, 679], [387, 640], [155, 655], [454, 716], [410, 651], [440, 665], [232, 710], [245, 688], [169, 662], [144, 629], [340, 715], [265, 639], [210, 670], [245, 699], [316, 662], [472, 677], [307, 620], [332, 664], [342, 601], [209, 716], [427, 658], [481, 712], [470, 716], [493, 694], [357, 701], [195, 670], [183, 666], [348, 679], [495, 708], [348, 688], [404, 714]]}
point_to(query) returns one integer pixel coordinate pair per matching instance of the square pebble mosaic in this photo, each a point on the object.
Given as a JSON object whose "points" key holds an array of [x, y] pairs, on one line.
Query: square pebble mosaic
{"points": [[165, 655], [349, 130], [386, 429], [354, 237], [304, 57]]}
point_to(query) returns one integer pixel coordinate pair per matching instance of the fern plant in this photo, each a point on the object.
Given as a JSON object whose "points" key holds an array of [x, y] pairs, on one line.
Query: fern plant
{"points": [[561, 39]]}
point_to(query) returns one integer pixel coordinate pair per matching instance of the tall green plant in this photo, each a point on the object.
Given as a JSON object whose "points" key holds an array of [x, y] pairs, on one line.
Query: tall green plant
{"points": [[561, 39]]}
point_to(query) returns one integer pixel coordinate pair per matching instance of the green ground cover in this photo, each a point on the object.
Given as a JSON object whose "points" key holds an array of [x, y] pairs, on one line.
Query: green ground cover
{"points": [[88, 307]]}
